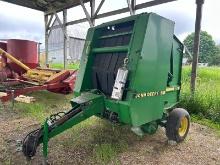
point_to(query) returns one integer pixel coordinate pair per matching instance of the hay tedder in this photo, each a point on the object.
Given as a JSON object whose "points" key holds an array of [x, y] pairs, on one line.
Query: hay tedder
{"points": [[130, 73]]}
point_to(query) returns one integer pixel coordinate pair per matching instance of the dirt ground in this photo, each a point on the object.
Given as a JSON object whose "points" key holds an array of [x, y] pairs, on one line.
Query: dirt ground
{"points": [[202, 146]]}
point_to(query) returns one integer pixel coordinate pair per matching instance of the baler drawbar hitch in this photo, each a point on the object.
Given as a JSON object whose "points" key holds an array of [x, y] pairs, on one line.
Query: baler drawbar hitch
{"points": [[34, 138], [84, 106]]}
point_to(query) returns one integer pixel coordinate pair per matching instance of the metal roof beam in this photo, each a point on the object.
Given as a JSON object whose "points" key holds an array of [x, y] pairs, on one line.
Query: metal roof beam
{"points": [[98, 9], [86, 13], [67, 5], [92, 7], [152, 3], [61, 25], [50, 20], [137, 7], [26, 3], [61, 5], [131, 6], [115, 12], [69, 23]]}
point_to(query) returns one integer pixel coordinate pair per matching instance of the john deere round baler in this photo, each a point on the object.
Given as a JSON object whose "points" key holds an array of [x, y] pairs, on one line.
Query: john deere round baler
{"points": [[130, 73]]}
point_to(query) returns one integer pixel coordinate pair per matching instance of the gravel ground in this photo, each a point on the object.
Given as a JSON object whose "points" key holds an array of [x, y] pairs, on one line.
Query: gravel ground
{"points": [[202, 146]]}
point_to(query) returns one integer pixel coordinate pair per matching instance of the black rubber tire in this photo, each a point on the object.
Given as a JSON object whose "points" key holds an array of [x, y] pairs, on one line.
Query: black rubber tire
{"points": [[174, 122]]}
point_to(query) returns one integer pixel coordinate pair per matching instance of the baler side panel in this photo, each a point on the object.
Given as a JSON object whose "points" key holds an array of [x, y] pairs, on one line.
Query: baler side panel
{"points": [[177, 62], [152, 71], [172, 97], [135, 51], [83, 81]]}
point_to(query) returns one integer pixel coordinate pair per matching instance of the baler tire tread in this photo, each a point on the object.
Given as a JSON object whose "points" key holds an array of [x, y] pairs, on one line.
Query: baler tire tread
{"points": [[173, 124]]}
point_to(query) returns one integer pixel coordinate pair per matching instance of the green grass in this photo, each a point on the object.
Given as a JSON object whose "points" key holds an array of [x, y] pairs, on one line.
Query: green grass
{"points": [[206, 101], [201, 120], [98, 137], [47, 103], [60, 66], [101, 141]]}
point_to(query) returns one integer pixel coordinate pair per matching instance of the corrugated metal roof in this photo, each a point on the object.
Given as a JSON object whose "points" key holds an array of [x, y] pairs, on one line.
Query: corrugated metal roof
{"points": [[46, 5]]}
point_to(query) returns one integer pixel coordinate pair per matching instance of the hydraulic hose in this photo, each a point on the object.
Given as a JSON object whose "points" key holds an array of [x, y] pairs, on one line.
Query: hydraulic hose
{"points": [[31, 142], [34, 138]]}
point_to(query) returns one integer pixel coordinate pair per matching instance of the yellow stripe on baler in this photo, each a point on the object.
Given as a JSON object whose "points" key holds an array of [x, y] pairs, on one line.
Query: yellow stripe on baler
{"points": [[169, 89]]}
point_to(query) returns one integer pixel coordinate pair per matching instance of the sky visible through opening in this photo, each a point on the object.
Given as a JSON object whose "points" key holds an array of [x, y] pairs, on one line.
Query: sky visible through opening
{"points": [[24, 23]]}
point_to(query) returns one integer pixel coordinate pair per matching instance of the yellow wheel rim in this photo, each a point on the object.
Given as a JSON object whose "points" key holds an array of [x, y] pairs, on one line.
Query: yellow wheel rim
{"points": [[183, 126]]}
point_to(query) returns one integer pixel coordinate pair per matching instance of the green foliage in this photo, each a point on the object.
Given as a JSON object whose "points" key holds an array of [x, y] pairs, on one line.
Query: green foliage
{"points": [[60, 66], [209, 52], [216, 59], [45, 105], [206, 101], [104, 152], [100, 138], [207, 122]]}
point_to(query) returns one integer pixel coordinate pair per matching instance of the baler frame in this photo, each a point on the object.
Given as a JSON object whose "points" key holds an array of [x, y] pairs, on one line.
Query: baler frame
{"points": [[144, 46]]}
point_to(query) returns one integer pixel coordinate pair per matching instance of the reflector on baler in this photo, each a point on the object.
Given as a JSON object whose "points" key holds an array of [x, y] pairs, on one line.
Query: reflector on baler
{"points": [[115, 35]]}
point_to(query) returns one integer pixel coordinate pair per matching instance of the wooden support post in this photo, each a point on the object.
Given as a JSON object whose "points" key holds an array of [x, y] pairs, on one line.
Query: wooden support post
{"points": [[50, 20], [46, 38], [65, 41], [131, 6], [98, 9], [86, 13], [62, 26], [199, 4], [92, 6], [51, 27]]}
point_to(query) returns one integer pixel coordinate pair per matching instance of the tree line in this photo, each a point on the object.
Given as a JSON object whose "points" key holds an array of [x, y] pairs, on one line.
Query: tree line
{"points": [[209, 51]]}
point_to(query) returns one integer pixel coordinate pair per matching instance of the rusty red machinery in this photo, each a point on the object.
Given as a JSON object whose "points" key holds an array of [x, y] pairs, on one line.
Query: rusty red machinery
{"points": [[23, 50], [4, 71], [20, 74]]}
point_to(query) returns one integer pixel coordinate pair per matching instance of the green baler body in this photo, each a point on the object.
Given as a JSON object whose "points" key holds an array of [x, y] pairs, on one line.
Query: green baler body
{"points": [[154, 64], [145, 47]]}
